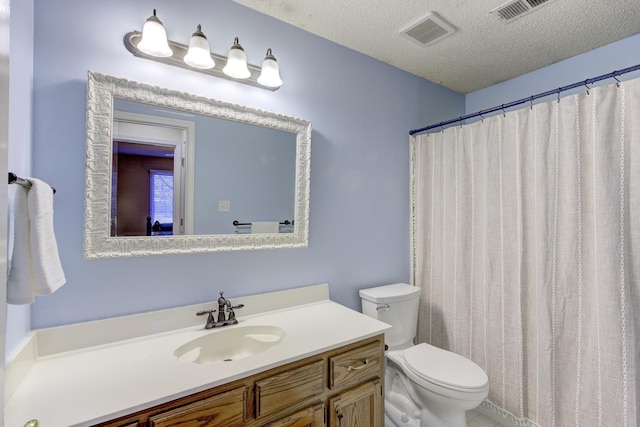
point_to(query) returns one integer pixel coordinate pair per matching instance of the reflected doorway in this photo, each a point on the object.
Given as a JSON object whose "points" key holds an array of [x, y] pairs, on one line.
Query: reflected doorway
{"points": [[147, 179]]}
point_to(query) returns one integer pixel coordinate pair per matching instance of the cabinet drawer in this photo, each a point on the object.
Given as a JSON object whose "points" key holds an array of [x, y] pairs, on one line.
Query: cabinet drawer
{"points": [[288, 388], [309, 417], [226, 409], [354, 365]]}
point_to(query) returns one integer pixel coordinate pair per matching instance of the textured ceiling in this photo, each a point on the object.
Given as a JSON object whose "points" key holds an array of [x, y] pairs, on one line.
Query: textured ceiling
{"points": [[482, 52]]}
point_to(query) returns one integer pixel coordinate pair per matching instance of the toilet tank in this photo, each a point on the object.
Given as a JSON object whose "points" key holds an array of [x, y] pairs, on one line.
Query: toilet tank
{"points": [[396, 305]]}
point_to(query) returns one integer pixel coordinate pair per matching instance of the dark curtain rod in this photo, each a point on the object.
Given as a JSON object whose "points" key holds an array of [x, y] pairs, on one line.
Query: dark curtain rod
{"points": [[15, 179], [502, 107]]}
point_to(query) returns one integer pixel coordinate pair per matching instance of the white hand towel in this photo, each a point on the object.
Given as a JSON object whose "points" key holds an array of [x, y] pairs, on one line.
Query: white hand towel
{"points": [[265, 227], [19, 284], [42, 267]]}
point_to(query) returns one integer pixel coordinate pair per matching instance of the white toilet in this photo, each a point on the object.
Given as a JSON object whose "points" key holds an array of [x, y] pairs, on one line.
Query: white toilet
{"points": [[425, 386]]}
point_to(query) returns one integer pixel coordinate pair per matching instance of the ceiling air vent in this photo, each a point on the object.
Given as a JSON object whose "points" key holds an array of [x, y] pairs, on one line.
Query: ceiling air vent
{"points": [[516, 8], [428, 30]]}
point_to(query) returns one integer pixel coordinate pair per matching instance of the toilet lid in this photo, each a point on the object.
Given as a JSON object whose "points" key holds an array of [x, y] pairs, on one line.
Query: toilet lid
{"points": [[444, 367]]}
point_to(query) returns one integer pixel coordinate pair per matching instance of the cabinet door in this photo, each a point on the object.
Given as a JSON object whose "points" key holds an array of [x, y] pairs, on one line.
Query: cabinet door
{"points": [[310, 417], [224, 409], [361, 406]]}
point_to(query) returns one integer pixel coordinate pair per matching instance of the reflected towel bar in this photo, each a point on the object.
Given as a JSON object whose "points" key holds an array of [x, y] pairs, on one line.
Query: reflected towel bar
{"points": [[247, 224], [15, 179]]}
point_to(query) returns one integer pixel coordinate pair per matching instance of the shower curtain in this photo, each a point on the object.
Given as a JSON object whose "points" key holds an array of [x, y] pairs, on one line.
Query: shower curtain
{"points": [[526, 247]]}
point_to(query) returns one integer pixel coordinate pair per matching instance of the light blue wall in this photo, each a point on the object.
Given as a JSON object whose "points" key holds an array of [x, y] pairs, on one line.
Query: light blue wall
{"points": [[615, 56], [361, 110], [19, 149]]}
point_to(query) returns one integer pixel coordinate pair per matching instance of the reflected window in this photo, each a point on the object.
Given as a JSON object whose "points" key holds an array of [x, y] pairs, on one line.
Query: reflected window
{"points": [[161, 196]]}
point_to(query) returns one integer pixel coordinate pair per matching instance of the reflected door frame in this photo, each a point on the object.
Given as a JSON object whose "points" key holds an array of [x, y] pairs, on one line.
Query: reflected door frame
{"points": [[184, 152]]}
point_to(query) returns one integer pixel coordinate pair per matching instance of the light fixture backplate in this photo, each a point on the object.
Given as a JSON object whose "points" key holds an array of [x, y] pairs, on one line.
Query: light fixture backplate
{"points": [[132, 39]]}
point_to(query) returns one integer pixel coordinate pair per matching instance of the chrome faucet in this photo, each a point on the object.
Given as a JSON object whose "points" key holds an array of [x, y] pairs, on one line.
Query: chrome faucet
{"points": [[223, 305], [222, 301]]}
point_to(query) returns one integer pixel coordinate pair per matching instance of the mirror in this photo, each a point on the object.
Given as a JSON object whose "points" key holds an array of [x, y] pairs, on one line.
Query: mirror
{"points": [[176, 173], [240, 164]]}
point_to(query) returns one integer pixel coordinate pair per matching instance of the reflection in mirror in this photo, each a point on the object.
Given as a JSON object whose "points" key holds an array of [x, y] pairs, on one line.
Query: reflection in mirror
{"points": [[184, 167], [147, 174], [233, 171]]}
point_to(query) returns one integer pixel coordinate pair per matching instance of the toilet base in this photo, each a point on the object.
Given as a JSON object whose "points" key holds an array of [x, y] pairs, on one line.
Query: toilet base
{"points": [[401, 409], [394, 417]]}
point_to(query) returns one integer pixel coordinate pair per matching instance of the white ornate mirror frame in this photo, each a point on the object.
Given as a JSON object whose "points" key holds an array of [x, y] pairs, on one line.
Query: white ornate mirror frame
{"points": [[101, 90]]}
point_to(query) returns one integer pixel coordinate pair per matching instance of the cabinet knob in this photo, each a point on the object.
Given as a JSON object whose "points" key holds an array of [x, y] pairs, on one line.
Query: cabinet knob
{"points": [[339, 415], [32, 423]]}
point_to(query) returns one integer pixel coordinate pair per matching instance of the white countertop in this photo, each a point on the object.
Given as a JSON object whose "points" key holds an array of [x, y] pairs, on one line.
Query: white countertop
{"points": [[89, 385]]}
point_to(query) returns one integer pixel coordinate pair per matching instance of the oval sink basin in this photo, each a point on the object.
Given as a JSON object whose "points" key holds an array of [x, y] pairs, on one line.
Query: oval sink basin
{"points": [[226, 345]]}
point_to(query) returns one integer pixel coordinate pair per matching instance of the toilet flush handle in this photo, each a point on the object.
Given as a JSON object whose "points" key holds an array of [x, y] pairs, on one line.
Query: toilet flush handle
{"points": [[383, 307]]}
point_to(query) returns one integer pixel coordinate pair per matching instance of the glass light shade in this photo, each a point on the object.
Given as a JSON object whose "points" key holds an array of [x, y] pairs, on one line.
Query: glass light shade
{"points": [[270, 74], [154, 38], [199, 55], [237, 62]]}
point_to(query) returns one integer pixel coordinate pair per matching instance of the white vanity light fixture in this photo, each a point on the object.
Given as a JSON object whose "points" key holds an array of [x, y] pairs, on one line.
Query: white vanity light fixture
{"points": [[237, 62], [154, 38], [270, 74], [197, 56]]}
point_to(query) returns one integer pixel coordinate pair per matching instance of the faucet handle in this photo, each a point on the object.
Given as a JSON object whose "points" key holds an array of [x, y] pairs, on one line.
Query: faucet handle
{"points": [[232, 315], [230, 307], [203, 312], [210, 319]]}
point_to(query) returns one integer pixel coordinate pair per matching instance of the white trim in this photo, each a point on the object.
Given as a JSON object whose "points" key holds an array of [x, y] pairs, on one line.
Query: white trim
{"points": [[554, 267], [595, 252], [519, 260], [455, 242], [443, 277], [502, 255], [473, 243], [577, 409], [623, 280]]}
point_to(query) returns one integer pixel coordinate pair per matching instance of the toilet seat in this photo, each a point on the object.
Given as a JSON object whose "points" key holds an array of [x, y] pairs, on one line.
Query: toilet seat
{"points": [[444, 368]]}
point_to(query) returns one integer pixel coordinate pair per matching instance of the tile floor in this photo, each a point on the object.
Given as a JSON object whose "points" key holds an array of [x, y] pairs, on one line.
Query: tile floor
{"points": [[476, 419]]}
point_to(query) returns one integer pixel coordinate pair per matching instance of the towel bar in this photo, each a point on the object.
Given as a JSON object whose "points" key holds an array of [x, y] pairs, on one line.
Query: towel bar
{"points": [[15, 179], [246, 224]]}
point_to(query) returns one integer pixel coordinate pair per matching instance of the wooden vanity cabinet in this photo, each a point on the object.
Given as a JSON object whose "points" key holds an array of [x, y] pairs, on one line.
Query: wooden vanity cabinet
{"points": [[339, 388]]}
